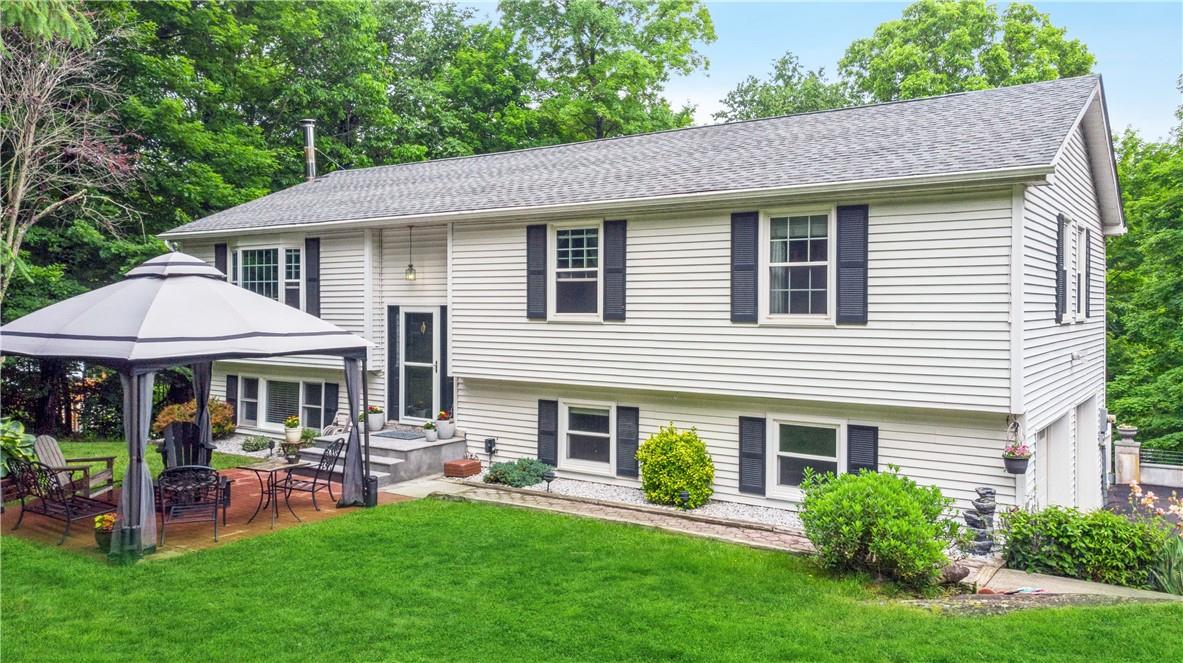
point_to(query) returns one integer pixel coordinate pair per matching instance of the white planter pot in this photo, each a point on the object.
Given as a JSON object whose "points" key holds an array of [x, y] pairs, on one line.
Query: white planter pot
{"points": [[375, 421], [432, 435], [292, 434], [447, 429]]}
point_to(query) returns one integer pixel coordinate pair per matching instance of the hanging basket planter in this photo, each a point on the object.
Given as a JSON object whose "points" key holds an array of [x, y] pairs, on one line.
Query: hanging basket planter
{"points": [[1016, 465]]}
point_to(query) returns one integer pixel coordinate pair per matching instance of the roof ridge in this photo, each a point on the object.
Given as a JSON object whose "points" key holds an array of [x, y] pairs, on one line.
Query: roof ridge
{"points": [[716, 125]]}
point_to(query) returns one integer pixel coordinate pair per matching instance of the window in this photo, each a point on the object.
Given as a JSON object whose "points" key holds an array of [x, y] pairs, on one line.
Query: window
{"points": [[798, 445], [1081, 260], [312, 412], [260, 272], [798, 261], [249, 402], [291, 277], [234, 267], [586, 436], [283, 401], [577, 270]]}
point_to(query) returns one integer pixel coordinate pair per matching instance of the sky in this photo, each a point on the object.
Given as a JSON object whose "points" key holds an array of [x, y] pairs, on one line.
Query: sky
{"points": [[1138, 46]]}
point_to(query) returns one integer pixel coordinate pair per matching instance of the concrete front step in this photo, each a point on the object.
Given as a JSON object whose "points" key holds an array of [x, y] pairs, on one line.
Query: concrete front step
{"points": [[394, 461]]}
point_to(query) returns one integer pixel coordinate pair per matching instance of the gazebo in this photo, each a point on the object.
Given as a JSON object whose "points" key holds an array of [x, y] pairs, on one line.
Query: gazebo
{"points": [[178, 310]]}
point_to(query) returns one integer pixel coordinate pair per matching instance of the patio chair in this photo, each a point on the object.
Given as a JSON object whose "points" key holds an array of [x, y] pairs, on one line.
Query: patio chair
{"points": [[182, 446], [322, 479], [190, 494], [340, 424], [93, 483], [41, 491]]}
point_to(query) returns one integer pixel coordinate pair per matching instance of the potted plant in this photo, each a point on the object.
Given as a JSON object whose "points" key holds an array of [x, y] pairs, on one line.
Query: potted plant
{"points": [[445, 425], [430, 432], [14, 443], [1016, 456], [291, 429], [103, 525], [375, 419]]}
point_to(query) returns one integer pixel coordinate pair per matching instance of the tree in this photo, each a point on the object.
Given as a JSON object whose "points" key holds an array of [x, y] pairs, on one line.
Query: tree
{"points": [[944, 46], [46, 20], [60, 148], [789, 89], [604, 63]]}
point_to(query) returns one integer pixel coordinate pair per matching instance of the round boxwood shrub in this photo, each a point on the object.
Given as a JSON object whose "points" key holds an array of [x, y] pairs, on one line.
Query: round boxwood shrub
{"points": [[221, 417], [879, 522], [673, 461]]}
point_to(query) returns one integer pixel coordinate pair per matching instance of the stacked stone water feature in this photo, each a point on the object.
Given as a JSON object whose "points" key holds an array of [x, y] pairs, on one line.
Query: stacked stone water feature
{"points": [[980, 520]]}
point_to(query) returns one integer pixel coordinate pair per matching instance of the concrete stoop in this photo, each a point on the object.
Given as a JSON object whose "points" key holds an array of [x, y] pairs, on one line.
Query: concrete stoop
{"points": [[395, 461]]}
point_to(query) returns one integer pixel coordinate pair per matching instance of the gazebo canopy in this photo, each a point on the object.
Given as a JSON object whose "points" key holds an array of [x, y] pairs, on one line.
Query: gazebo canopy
{"points": [[175, 309]]}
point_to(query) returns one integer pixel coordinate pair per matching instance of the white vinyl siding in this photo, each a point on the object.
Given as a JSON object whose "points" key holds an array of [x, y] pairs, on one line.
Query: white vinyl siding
{"points": [[938, 303], [1053, 382], [957, 451]]}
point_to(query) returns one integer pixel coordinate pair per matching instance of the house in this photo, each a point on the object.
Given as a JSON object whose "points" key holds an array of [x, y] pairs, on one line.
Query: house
{"points": [[897, 284]]}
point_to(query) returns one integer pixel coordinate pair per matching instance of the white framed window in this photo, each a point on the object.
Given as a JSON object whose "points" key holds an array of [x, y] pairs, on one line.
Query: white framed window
{"points": [[291, 277], [576, 276], [272, 271], [587, 437], [796, 443], [1079, 296], [265, 403], [248, 401], [797, 257]]}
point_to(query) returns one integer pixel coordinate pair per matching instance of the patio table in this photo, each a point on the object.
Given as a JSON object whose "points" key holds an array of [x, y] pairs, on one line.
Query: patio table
{"points": [[271, 469]]}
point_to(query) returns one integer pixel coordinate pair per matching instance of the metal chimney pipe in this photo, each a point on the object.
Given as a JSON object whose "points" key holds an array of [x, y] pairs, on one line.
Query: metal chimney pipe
{"points": [[309, 148]]}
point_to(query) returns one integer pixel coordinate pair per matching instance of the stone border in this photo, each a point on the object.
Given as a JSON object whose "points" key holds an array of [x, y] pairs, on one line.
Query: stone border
{"points": [[726, 522]]}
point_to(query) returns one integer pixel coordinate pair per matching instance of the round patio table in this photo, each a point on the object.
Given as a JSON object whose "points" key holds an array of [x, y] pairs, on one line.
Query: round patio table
{"points": [[271, 470]]}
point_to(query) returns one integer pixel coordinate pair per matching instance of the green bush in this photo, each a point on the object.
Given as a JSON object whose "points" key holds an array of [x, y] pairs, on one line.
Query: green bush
{"points": [[1098, 545], [221, 416], [879, 522], [1167, 575], [519, 473], [256, 443], [673, 461]]}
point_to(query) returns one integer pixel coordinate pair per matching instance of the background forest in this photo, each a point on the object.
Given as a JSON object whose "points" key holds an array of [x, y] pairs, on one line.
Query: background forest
{"points": [[170, 111]]}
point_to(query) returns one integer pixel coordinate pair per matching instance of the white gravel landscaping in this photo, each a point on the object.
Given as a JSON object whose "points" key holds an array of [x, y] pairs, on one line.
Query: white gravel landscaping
{"points": [[233, 445], [782, 518]]}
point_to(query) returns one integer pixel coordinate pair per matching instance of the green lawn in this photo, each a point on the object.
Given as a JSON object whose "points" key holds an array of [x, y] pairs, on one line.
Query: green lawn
{"points": [[118, 448], [436, 580]]}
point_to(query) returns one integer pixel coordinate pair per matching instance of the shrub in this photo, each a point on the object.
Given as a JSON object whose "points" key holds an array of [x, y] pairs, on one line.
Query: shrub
{"points": [[519, 473], [1098, 545], [14, 443], [256, 443], [879, 522], [221, 416], [673, 461], [1167, 575]]}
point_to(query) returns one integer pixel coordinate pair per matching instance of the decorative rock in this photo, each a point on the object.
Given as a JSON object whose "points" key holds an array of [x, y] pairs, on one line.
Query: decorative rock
{"points": [[975, 520], [984, 491], [984, 505], [953, 573], [981, 547]]}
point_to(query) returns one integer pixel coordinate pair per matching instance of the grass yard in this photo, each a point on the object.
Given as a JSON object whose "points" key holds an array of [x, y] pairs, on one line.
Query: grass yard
{"points": [[436, 580], [118, 448]]}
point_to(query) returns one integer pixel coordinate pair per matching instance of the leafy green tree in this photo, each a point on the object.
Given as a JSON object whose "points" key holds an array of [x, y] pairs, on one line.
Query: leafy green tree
{"points": [[791, 88], [944, 46], [46, 20], [604, 63]]}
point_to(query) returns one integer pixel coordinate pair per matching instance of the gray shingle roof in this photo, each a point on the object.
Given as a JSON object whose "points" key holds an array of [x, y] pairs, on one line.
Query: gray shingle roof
{"points": [[959, 133]]}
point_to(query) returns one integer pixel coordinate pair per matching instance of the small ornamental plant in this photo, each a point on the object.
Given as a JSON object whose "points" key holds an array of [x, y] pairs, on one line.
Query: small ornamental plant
{"points": [[104, 523], [444, 415], [308, 435], [291, 422], [373, 409], [430, 425], [1016, 450], [674, 462]]}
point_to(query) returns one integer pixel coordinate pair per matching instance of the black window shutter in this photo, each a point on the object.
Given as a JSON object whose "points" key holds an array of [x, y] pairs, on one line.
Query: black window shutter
{"points": [[445, 377], [627, 438], [232, 393], [312, 275], [615, 253], [745, 280], [548, 432], [220, 259], [331, 396], [852, 265], [862, 448], [536, 272], [753, 444], [1088, 272], [392, 343], [1061, 273]]}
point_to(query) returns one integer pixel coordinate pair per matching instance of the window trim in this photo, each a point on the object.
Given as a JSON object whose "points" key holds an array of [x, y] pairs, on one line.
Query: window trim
{"points": [[774, 489], [765, 267], [282, 281], [587, 466], [261, 422], [1074, 302], [1080, 256], [552, 265]]}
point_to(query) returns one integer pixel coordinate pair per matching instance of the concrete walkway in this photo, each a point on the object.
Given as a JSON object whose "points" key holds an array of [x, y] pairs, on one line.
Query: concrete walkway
{"points": [[1009, 580]]}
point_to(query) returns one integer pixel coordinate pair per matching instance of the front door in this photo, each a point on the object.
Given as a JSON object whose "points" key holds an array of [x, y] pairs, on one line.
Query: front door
{"points": [[419, 365]]}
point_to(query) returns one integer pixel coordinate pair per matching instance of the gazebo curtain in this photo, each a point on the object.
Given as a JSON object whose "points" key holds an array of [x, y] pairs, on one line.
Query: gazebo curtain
{"points": [[352, 490], [135, 522], [202, 375]]}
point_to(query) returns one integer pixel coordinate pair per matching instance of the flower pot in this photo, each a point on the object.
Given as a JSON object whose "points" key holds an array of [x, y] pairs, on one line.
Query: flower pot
{"points": [[447, 429], [103, 538], [431, 435], [292, 434], [375, 420], [1016, 465]]}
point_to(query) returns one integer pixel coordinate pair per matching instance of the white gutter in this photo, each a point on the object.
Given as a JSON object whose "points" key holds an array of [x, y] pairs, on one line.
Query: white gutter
{"points": [[1015, 175]]}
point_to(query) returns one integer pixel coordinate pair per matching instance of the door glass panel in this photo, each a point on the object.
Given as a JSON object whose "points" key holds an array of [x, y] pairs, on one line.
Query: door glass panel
{"points": [[418, 335], [418, 396]]}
